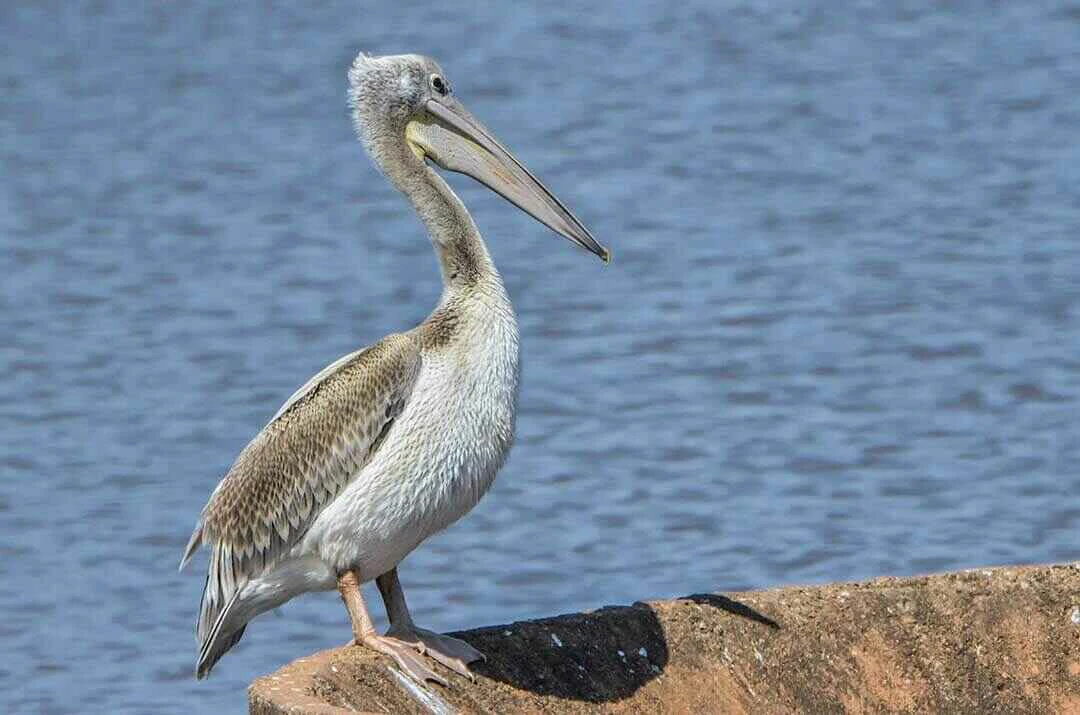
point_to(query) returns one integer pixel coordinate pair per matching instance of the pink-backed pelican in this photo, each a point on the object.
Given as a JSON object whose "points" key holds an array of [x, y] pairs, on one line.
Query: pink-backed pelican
{"points": [[394, 442]]}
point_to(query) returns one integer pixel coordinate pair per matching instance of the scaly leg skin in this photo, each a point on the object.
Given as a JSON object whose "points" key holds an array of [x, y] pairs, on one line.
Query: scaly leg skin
{"points": [[453, 653], [403, 653]]}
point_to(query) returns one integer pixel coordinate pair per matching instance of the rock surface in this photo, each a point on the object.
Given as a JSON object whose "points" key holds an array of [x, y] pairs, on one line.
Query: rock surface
{"points": [[980, 641]]}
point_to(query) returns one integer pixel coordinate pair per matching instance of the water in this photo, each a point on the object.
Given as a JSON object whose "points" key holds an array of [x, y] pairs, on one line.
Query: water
{"points": [[840, 337]]}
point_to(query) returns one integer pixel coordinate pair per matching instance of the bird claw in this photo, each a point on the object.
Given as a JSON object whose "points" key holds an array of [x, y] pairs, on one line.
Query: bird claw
{"points": [[452, 653], [409, 646], [406, 655]]}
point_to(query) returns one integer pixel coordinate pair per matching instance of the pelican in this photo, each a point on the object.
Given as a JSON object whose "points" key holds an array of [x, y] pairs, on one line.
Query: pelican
{"points": [[394, 442]]}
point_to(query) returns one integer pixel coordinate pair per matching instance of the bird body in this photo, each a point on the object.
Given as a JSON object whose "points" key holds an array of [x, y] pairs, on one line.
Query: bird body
{"points": [[444, 449], [393, 443]]}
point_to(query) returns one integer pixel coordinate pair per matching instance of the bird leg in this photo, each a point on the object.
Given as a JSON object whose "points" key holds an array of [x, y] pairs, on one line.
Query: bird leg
{"points": [[455, 654], [404, 653]]}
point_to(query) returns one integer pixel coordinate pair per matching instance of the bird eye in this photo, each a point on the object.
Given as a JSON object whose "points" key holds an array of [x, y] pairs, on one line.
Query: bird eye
{"points": [[440, 85]]}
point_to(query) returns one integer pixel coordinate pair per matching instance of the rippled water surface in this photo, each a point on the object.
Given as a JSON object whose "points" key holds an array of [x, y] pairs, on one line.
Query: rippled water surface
{"points": [[840, 337]]}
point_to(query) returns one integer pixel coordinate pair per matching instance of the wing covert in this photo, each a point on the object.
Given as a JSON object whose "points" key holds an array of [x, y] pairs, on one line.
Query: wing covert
{"points": [[298, 463]]}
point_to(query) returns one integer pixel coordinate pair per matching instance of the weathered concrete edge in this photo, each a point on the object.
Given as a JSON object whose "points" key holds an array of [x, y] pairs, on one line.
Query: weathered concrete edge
{"points": [[1007, 638]]}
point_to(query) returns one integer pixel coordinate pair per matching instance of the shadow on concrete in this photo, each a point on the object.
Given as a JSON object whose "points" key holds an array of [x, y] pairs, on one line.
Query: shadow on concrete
{"points": [[603, 656], [731, 606]]}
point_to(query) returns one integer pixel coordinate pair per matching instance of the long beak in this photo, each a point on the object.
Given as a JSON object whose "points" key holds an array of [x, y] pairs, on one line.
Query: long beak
{"points": [[456, 141]]}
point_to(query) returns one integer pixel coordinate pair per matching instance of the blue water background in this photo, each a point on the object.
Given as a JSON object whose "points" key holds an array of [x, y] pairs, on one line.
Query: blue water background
{"points": [[840, 336]]}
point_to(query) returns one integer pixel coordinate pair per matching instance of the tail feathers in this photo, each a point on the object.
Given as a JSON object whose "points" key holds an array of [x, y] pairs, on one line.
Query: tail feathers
{"points": [[219, 625], [218, 640], [230, 600], [214, 649]]}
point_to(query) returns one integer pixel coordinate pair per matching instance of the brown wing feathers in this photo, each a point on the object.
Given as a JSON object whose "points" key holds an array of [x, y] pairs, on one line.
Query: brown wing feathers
{"points": [[295, 466]]}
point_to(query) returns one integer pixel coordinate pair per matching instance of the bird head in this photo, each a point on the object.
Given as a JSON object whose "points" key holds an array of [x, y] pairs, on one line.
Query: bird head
{"points": [[406, 101]]}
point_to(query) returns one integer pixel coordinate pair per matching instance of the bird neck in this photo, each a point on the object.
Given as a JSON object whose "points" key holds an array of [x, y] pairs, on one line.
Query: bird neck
{"points": [[463, 257]]}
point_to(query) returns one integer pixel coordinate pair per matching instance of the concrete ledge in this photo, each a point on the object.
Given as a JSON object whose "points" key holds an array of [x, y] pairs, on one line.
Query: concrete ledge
{"points": [[980, 641]]}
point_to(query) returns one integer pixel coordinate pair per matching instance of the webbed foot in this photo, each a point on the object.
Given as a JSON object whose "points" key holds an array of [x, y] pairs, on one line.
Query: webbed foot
{"points": [[454, 653], [407, 655]]}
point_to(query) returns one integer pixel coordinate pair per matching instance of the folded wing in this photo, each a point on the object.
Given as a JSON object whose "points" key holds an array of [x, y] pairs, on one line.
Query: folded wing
{"points": [[298, 463]]}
